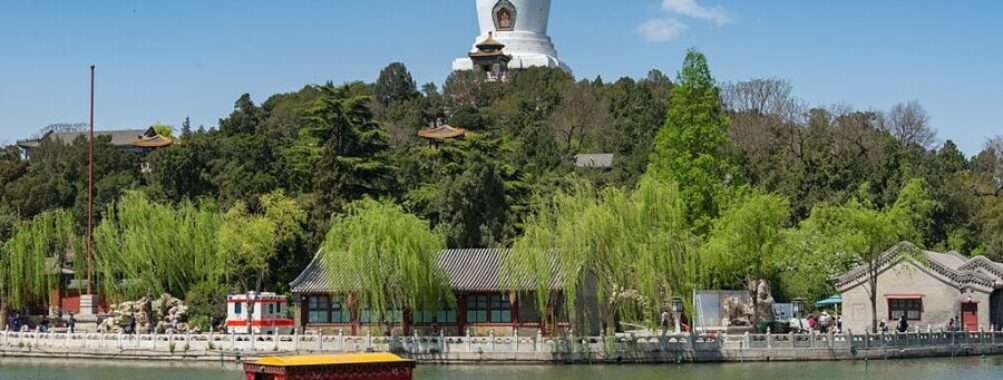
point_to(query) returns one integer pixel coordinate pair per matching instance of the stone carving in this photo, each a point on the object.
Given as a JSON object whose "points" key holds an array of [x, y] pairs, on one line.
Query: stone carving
{"points": [[161, 315], [739, 313], [504, 15]]}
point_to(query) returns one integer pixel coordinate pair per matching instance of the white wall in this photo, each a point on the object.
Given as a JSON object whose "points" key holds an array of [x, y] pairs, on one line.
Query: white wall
{"points": [[941, 301]]}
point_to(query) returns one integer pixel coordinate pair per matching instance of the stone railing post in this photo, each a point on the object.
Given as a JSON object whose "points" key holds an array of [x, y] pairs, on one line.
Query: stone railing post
{"points": [[254, 338], [233, 342], [120, 340], [296, 340], [468, 340], [538, 341], [153, 344], [443, 348], [320, 340], [369, 340], [769, 339], [491, 335], [515, 333], [341, 340]]}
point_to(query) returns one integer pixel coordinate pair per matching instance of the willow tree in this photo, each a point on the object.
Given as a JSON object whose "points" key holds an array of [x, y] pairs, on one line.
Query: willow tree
{"points": [[386, 259], [746, 245], [144, 248], [246, 244], [611, 242], [859, 233], [30, 260]]}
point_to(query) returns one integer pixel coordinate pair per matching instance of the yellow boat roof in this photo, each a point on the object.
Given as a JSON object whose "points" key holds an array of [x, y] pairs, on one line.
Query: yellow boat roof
{"points": [[310, 360]]}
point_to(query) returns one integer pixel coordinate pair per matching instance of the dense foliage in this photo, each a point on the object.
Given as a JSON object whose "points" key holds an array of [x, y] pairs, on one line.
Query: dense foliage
{"points": [[386, 259], [766, 187]]}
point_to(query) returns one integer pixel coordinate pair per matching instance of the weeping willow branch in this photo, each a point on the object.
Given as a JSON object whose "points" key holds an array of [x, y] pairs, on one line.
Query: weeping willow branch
{"points": [[386, 258], [142, 247], [31, 260], [611, 240]]}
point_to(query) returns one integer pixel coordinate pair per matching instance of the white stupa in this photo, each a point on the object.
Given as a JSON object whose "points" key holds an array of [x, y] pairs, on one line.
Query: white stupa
{"points": [[521, 25]]}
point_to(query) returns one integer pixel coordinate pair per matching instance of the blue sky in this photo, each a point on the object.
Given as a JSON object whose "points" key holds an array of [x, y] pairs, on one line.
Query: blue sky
{"points": [[164, 60]]}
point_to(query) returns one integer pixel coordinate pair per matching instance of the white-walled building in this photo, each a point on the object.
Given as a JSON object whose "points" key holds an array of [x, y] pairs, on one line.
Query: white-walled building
{"points": [[520, 25], [929, 288]]}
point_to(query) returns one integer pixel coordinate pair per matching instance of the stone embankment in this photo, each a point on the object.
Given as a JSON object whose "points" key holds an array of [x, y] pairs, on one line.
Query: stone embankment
{"points": [[509, 349]]}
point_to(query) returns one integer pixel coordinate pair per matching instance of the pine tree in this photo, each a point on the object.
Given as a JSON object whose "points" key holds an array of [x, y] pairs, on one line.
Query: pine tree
{"points": [[691, 148]]}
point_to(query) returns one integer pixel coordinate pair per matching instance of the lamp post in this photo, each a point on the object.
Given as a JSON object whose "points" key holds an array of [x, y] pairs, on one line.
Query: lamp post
{"points": [[677, 310], [798, 305]]}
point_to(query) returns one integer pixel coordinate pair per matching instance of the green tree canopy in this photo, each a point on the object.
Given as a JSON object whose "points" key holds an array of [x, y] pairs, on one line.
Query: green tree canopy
{"points": [[30, 261], [395, 84], [386, 258], [143, 247], [746, 244], [691, 149], [856, 233], [622, 242]]}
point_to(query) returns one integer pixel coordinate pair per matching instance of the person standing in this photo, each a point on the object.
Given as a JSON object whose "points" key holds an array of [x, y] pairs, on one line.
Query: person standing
{"points": [[903, 324], [71, 322], [665, 320], [132, 324]]}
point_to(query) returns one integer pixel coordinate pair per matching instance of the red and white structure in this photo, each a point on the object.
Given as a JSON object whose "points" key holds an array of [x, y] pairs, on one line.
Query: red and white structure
{"points": [[266, 313]]}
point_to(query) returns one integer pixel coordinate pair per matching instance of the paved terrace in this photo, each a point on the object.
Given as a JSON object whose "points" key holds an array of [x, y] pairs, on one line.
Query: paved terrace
{"points": [[671, 348]]}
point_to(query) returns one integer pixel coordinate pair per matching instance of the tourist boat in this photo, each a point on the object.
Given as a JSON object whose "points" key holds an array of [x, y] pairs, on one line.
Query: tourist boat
{"points": [[363, 366], [260, 313]]}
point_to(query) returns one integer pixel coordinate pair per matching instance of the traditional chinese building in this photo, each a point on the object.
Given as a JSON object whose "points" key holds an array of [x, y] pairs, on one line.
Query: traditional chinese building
{"points": [[440, 133], [133, 140], [490, 59], [484, 303], [928, 288]]}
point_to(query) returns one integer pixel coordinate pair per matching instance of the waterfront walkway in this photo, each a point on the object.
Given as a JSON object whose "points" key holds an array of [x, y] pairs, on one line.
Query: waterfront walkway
{"points": [[538, 349]]}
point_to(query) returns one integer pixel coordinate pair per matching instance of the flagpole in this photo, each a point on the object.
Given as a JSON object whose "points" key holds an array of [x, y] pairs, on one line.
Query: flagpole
{"points": [[90, 191]]}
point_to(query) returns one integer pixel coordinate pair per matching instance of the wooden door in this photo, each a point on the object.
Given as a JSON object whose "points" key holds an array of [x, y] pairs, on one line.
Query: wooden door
{"points": [[970, 316]]}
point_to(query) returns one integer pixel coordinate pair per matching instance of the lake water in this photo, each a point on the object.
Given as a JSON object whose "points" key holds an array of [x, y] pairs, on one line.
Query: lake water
{"points": [[969, 368]]}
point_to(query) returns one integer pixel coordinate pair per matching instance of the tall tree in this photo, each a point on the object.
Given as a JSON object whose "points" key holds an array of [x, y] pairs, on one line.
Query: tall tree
{"points": [[858, 233], [691, 148], [746, 245], [910, 124], [395, 84], [246, 243], [28, 258], [351, 147], [387, 259], [625, 242]]}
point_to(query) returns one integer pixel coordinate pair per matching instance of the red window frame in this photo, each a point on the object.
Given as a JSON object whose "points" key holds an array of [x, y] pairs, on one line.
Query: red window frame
{"points": [[911, 307]]}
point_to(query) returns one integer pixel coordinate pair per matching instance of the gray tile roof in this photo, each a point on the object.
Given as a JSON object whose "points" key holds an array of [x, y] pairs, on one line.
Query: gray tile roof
{"points": [[604, 160], [959, 270], [118, 138], [468, 270]]}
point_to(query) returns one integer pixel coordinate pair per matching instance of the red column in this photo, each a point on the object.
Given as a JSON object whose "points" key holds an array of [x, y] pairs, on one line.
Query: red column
{"points": [[461, 314], [514, 306]]}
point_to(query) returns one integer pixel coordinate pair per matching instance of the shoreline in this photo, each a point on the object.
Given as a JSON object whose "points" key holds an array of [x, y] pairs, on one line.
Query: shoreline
{"points": [[666, 348]]}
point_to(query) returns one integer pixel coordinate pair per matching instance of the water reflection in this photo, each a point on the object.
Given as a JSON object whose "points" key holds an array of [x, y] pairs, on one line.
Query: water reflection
{"points": [[921, 369]]}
